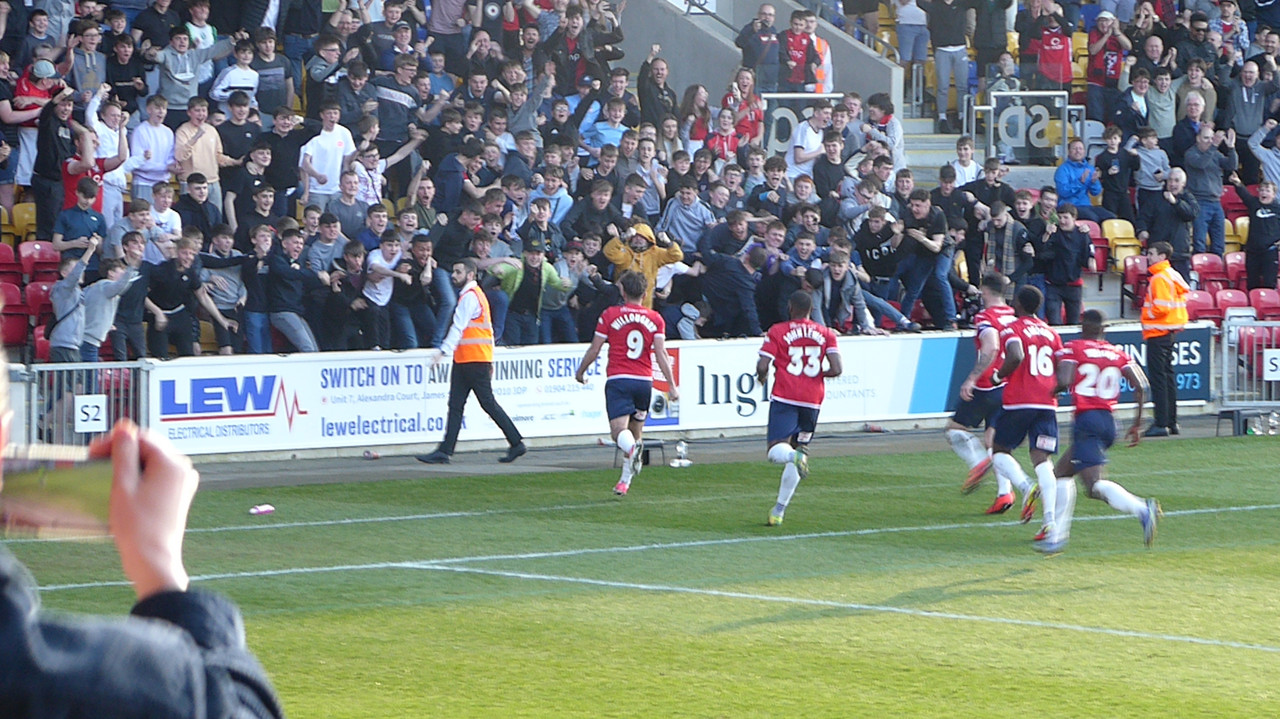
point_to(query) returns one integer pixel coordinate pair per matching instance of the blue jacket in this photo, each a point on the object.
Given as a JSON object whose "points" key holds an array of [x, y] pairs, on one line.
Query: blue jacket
{"points": [[1073, 189]]}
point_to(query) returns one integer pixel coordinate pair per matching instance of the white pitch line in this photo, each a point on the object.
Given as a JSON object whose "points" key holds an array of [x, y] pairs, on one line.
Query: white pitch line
{"points": [[676, 589], [466, 513], [453, 561], [351, 521]]}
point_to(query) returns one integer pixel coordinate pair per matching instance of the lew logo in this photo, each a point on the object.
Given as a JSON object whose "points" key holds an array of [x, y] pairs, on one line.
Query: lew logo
{"points": [[227, 398]]}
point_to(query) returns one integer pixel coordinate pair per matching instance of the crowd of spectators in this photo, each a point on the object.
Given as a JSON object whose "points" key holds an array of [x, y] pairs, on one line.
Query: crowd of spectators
{"points": [[303, 177]]}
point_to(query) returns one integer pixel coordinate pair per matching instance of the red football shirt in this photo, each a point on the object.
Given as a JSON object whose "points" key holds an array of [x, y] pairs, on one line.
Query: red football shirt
{"points": [[1099, 371], [69, 182], [797, 348], [797, 49], [629, 330], [993, 319], [1033, 383]]}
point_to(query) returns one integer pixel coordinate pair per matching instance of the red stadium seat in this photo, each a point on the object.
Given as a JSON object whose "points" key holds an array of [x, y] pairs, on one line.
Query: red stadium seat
{"points": [[43, 353], [1237, 277], [1230, 298], [39, 261], [1200, 306], [1134, 281], [13, 318], [38, 304], [1266, 302], [10, 269], [1211, 270]]}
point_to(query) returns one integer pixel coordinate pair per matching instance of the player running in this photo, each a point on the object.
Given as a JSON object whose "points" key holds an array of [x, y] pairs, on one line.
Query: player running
{"points": [[636, 337], [1029, 404], [980, 398], [796, 348], [1092, 368]]}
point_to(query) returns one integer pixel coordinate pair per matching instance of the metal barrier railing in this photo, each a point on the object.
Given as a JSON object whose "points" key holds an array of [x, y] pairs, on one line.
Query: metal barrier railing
{"points": [[998, 103], [1250, 364], [73, 403]]}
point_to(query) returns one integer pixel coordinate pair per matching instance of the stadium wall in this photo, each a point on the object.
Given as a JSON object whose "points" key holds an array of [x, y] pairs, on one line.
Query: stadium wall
{"points": [[352, 400]]}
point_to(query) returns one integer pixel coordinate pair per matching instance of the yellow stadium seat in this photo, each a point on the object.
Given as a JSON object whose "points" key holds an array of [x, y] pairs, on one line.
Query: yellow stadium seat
{"points": [[1117, 229], [24, 220], [1233, 246], [1080, 44], [1123, 248], [1242, 228]]}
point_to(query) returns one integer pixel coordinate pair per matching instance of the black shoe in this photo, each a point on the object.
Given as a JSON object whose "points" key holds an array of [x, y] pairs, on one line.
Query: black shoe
{"points": [[944, 127], [436, 457], [516, 450], [1175, 428], [912, 327], [1156, 430]]}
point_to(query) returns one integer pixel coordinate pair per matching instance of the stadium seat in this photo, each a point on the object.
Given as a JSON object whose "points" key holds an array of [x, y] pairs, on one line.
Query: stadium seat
{"points": [[23, 220], [1200, 306], [208, 338], [1232, 205], [1237, 276], [1211, 270], [1242, 228], [38, 305], [1133, 284], [1230, 298], [13, 317], [43, 353], [10, 269], [1117, 229], [39, 261], [1266, 302]]}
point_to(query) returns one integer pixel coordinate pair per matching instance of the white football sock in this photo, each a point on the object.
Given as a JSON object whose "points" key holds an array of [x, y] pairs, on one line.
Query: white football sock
{"points": [[626, 442], [1020, 479], [790, 480], [1118, 497], [1048, 491], [1005, 467], [1064, 509], [781, 453], [967, 447]]}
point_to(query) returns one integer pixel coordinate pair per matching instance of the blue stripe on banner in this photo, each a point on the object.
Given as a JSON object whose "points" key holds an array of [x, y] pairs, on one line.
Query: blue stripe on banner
{"points": [[933, 374]]}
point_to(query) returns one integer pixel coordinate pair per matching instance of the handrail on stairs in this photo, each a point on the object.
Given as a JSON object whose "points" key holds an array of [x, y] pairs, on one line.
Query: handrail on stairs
{"points": [[877, 45], [704, 10]]}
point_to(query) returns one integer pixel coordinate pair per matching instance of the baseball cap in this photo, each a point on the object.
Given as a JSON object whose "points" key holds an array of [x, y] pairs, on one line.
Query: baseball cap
{"points": [[400, 25], [535, 245], [574, 246], [586, 80], [1106, 15], [43, 70]]}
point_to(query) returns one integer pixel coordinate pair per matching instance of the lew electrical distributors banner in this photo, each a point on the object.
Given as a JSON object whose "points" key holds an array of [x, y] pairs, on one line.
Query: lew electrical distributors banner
{"points": [[361, 399]]}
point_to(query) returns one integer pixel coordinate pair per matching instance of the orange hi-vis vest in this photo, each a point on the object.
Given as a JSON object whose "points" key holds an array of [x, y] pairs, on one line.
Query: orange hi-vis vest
{"points": [[476, 344], [1165, 308]]}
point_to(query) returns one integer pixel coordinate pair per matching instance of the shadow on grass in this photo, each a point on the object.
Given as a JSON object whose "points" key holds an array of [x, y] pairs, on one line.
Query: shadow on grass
{"points": [[924, 598]]}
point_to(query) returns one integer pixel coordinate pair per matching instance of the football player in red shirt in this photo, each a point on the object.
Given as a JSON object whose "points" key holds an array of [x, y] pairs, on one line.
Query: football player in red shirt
{"points": [[636, 337], [1029, 405], [1092, 368], [796, 348], [980, 398]]}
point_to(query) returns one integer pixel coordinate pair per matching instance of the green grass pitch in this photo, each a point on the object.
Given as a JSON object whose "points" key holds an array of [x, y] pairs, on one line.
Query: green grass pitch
{"points": [[885, 592]]}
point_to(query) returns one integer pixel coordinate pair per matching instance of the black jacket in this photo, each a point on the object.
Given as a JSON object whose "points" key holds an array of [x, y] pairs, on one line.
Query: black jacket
{"points": [[1169, 223], [180, 654]]}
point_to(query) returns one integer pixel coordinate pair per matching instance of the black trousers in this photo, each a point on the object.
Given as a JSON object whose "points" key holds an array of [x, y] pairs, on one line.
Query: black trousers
{"points": [[465, 378], [48, 198], [1261, 269], [128, 335], [1056, 297], [177, 333], [1164, 391]]}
